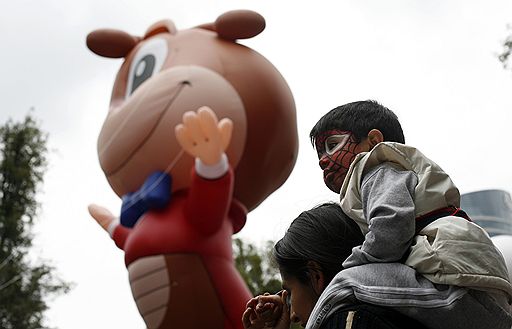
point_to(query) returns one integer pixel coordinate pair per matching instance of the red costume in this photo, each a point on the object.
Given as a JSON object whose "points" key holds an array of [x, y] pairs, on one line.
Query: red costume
{"points": [[198, 221]]}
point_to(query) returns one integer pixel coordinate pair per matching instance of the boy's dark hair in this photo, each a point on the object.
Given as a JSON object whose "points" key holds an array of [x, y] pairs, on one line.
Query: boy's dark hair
{"points": [[359, 118], [323, 234]]}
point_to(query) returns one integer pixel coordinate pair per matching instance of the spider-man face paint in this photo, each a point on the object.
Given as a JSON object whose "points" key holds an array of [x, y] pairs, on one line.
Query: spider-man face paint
{"points": [[336, 150]]}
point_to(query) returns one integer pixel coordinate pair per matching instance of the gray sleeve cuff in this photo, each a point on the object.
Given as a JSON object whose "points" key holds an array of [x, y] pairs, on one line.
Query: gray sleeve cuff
{"points": [[214, 171]]}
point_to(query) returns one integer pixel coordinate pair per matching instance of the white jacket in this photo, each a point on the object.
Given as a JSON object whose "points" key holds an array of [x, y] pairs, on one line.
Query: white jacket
{"points": [[450, 250]]}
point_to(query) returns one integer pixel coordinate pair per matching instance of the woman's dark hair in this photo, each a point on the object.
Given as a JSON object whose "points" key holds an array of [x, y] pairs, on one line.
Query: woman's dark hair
{"points": [[324, 235], [359, 118]]}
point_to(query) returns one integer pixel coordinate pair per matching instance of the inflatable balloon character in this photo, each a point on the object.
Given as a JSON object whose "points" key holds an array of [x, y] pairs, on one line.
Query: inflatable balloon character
{"points": [[200, 131]]}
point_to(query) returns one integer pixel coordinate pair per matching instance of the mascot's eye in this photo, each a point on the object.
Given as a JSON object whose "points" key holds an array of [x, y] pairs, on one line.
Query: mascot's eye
{"points": [[147, 61]]}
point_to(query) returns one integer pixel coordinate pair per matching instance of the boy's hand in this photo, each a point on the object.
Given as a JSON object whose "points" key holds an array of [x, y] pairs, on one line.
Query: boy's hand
{"points": [[202, 136]]}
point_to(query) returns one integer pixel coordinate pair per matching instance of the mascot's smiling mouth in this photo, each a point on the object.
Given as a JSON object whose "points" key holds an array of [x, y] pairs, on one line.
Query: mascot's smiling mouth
{"points": [[138, 138]]}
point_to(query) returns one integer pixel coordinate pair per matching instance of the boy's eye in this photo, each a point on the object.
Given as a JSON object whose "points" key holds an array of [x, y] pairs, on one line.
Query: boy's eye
{"points": [[331, 146], [335, 142]]}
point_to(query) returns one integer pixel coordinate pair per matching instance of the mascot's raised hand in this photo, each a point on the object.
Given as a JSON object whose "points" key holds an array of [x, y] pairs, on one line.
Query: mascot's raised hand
{"points": [[202, 136]]}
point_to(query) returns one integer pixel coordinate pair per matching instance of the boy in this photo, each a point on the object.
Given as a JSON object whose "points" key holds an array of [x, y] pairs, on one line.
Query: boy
{"points": [[408, 209]]}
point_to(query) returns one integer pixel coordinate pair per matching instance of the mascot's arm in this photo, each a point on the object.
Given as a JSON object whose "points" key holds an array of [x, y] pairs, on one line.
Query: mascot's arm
{"points": [[109, 223], [208, 200], [202, 136]]}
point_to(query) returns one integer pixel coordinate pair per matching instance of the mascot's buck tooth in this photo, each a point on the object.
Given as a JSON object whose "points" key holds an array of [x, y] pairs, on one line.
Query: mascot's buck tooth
{"points": [[178, 212]]}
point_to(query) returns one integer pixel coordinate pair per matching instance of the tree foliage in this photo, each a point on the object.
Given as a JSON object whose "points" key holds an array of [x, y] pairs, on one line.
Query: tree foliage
{"points": [[256, 267], [24, 284], [504, 55]]}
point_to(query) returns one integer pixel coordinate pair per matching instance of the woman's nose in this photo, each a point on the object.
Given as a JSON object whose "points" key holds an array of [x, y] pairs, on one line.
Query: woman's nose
{"points": [[293, 317]]}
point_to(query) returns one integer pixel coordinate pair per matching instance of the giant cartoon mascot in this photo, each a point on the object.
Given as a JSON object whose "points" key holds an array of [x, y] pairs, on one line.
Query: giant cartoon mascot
{"points": [[200, 131]]}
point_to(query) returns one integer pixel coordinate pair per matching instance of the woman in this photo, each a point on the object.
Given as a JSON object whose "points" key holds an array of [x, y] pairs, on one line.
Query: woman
{"points": [[309, 256]]}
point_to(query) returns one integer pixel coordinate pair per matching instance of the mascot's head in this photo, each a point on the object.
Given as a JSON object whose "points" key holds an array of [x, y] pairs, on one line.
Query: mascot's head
{"points": [[168, 72]]}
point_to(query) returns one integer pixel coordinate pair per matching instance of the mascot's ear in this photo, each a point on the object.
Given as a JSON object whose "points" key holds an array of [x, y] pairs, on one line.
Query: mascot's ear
{"points": [[163, 26], [111, 43], [237, 24]]}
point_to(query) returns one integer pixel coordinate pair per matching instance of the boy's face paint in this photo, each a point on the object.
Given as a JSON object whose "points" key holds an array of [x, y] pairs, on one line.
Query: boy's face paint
{"points": [[336, 150]]}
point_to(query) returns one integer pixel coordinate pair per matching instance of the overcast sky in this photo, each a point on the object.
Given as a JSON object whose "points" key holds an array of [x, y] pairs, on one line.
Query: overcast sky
{"points": [[433, 62]]}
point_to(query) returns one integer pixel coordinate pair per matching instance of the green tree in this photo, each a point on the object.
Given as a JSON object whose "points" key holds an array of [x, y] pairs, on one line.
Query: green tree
{"points": [[256, 267], [504, 55], [25, 284]]}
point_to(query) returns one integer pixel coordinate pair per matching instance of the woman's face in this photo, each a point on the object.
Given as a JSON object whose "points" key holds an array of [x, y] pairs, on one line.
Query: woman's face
{"points": [[302, 299]]}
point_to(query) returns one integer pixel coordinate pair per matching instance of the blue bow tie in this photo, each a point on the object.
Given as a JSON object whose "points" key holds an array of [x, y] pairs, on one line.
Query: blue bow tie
{"points": [[155, 193]]}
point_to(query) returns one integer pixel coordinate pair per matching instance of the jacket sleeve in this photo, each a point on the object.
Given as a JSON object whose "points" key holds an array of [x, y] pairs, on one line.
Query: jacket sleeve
{"points": [[387, 194], [369, 316]]}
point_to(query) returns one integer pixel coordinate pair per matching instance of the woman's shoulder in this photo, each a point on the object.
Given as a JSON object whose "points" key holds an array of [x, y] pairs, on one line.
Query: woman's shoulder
{"points": [[366, 316]]}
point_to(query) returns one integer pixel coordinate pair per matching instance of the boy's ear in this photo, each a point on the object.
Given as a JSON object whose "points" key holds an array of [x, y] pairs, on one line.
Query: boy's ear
{"points": [[316, 277], [375, 137]]}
